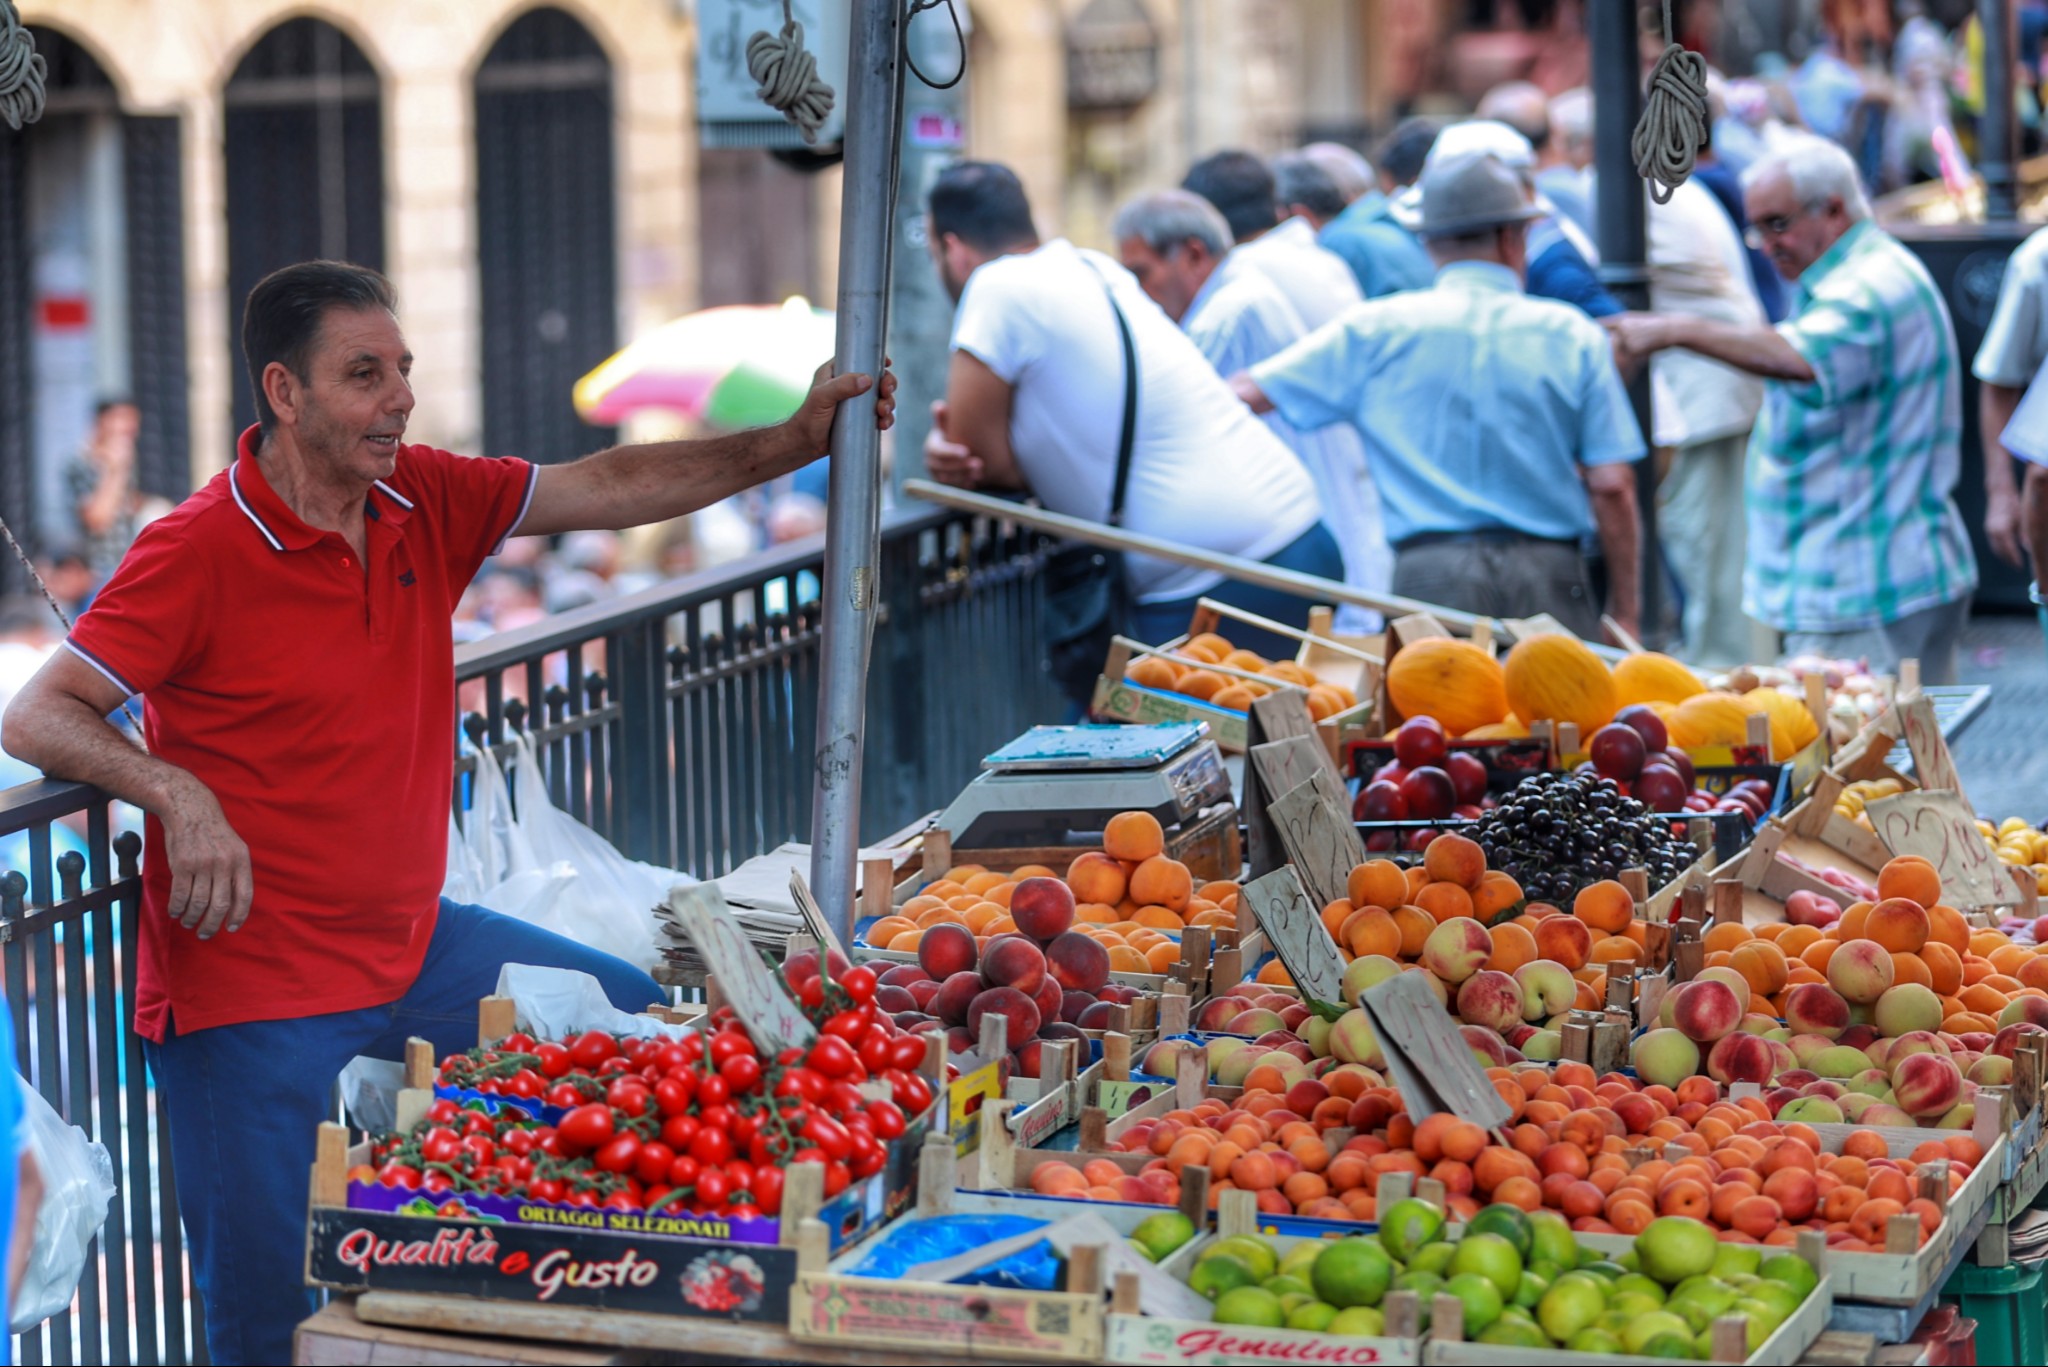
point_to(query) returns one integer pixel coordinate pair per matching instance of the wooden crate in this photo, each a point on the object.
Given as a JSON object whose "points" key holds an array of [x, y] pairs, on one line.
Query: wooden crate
{"points": [[922, 1320], [1134, 1337], [336, 1337]]}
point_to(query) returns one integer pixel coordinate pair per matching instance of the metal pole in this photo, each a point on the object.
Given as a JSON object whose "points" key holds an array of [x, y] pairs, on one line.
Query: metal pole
{"points": [[853, 528], [1618, 215], [920, 314], [1998, 136]]}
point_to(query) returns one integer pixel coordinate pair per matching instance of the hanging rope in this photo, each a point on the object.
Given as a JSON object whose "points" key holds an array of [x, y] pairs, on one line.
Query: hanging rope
{"points": [[918, 7], [787, 75], [1673, 128], [21, 71], [48, 597]]}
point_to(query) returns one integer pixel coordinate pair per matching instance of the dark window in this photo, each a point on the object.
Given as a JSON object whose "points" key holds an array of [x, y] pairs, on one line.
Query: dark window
{"points": [[546, 233]]}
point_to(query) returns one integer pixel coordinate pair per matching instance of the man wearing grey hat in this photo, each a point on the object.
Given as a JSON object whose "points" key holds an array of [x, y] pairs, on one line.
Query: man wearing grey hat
{"points": [[1496, 426]]}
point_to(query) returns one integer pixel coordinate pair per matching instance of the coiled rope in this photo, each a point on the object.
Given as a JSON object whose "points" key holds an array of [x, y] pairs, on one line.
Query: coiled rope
{"points": [[787, 75], [21, 71], [1673, 128]]}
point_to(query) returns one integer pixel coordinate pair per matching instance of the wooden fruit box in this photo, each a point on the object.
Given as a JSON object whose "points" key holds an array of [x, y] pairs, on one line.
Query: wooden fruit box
{"points": [[1788, 1345], [1136, 1337], [927, 1319]]}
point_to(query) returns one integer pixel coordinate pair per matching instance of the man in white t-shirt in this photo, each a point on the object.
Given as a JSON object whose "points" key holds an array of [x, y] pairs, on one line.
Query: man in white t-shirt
{"points": [[1178, 246], [2014, 348], [1035, 401], [1314, 279]]}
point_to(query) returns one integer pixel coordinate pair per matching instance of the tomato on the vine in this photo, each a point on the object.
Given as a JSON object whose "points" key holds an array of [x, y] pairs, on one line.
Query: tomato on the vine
{"points": [[767, 1189], [859, 984], [740, 1073], [833, 1056], [652, 1163], [711, 1146], [591, 1048], [713, 1186], [516, 1043], [554, 1059], [587, 1127], [713, 1090], [677, 1132], [619, 1155]]}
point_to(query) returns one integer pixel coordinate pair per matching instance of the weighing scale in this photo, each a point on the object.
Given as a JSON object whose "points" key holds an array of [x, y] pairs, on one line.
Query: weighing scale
{"points": [[1059, 785]]}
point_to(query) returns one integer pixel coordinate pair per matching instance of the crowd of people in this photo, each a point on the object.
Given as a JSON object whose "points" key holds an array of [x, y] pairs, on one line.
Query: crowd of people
{"points": [[1439, 376]]}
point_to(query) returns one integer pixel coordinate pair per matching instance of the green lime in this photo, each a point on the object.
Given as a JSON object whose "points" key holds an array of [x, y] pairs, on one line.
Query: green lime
{"points": [[1214, 1276], [1361, 1321], [1509, 1222], [1433, 1258], [1314, 1316], [1408, 1225], [1481, 1298], [1250, 1305], [1159, 1235], [1791, 1270], [1493, 1257], [1353, 1271], [1282, 1284], [1249, 1249]]}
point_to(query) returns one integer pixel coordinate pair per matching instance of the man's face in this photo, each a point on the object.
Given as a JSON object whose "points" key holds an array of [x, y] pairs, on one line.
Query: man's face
{"points": [[1173, 280], [1792, 234], [119, 423], [351, 410]]}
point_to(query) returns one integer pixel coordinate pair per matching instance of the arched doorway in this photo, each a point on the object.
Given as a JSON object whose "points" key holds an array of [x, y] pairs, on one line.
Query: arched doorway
{"points": [[92, 293], [305, 165], [546, 234]]}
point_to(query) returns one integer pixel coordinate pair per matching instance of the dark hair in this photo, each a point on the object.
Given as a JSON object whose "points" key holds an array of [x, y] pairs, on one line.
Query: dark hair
{"points": [[983, 204], [1240, 185], [1298, 180], [109, 403], [1402, 152], [282, 320]]}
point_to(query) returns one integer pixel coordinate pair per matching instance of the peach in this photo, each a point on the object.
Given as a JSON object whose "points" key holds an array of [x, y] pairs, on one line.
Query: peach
{"points": [[1882, 1114], [1042, 908], [1926, 1084], [1564, 940], [2024, 1011], [1229, 1061], [1019, 1013], [1795, 1191], [1215, 1014], [1492, 999], [2006, 1042], [1870, 1082], [1547, 989], [1737, 984], [1368, 970], [1491, 1049], [1096, 878], [1899, 926], [1352, 1040], [1991, 1070], [1013, 961], [1816, 1009], [955, 995], [1050, 999], [1257, 1021], [1906, 1008], [1094, 1016], [1456, 949], [1705, 1010], [945, 950], [1665, 1057], [1135, 836], [1740, 1058], [1860, 970]]}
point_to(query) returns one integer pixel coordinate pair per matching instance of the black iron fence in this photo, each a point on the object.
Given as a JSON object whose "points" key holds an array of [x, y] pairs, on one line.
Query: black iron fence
{"points": [[677, 722]]}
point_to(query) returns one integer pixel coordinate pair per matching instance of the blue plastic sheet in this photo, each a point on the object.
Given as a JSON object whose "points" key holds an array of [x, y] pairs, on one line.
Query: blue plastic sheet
{"points": [[926, 1240]]}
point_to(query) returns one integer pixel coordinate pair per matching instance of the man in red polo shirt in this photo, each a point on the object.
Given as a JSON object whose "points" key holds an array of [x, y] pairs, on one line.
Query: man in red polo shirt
{"points": [[289, 629]]}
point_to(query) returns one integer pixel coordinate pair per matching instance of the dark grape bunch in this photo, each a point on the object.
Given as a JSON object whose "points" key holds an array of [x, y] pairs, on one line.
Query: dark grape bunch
{"points": [[1557, 833]]}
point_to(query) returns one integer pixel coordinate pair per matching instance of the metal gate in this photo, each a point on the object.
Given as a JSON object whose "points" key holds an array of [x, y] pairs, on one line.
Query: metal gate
{"points": [[546, 240], [17, 392], [305, 164]]}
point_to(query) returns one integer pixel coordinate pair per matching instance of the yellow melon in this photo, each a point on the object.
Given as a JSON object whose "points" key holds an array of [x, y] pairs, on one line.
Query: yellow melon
{"points": [[1456, 682], [1708, 719], [1554, 677], [1649, 677]]}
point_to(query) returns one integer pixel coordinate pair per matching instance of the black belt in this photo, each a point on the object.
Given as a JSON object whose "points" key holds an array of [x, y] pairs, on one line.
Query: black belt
{"points": [[1482, 536]]}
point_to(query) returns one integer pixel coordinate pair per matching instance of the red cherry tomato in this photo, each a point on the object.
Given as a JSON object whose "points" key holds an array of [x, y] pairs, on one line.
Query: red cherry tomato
{"points": [[741, 1073], [833, 1056], [711, 1146], [886, 1118], [713, 1090], [713, 1186], [672, 1094], [677, 1132], [859, 984], [620, 1155], [554, 1059], [767, 1189], [592, 1048], [652, 1163], [906, 1051], [587, 1127]]}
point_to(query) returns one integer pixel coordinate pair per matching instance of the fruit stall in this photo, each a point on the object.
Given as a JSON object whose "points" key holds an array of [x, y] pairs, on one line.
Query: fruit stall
{"points": [[1445, 1001]]}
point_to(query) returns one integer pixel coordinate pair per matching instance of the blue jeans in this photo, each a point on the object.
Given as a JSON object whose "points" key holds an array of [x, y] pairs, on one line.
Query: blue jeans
{"points": [[244, 1103], [1315, 552]]}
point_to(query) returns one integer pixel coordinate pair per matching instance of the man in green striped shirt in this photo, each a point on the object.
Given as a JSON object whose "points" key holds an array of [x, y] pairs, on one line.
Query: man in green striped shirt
{"points": [[1856, 547]]}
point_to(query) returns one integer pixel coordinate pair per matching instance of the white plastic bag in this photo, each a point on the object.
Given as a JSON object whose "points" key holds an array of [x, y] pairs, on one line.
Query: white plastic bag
{"points": [[555, 1003], [78, 1181]]}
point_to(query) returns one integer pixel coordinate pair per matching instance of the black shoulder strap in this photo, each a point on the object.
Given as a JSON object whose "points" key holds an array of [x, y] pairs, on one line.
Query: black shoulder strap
{"points": [[1128, 439]]}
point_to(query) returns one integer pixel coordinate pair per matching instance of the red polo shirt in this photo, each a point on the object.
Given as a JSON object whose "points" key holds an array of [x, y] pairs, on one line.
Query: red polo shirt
{"points": [[317, 701]]}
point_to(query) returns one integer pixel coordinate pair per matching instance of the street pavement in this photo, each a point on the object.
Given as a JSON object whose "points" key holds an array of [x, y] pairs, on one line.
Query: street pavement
{"points": [[2003, 755]]}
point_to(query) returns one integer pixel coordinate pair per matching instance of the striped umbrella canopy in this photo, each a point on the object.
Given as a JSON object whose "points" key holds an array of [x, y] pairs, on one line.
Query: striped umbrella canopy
{"points": [[740, 366]]}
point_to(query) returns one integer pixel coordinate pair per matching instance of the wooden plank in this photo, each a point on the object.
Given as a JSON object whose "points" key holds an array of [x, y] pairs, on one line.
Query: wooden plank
{"points": [[755, 994], [335, 1337], [661, 1334]]}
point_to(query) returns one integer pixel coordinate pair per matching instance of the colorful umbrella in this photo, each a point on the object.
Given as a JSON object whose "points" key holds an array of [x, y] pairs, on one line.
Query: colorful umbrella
{"points": [[736, 367]]}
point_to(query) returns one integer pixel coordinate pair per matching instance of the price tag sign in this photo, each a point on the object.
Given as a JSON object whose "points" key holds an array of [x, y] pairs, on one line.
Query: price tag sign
{"points": [[1941, 828], [813, 915], [1933, 766], [1432, 1066], [1117, 1098], [755, 994], [1294, 925], [1317, 832]]}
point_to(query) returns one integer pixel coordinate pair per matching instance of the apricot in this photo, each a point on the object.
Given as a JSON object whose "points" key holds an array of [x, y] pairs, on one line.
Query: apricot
{"points": [[1416, 926], [1444, 901], [1453, 858], [1565, 940], [1372, 931], [1134, 836], [1159, 881], [1899, 925], [1604, 905], [1910, 878]]}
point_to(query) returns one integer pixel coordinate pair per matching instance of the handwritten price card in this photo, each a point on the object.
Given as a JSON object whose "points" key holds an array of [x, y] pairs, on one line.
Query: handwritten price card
{"points": [[1294, 925], [753, 991], [1933, 766], [1940, 828], [1317, 832]]}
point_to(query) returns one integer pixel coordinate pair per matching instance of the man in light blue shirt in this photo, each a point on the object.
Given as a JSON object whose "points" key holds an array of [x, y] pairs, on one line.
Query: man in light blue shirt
{"points": [[1496, 427], [1332, 187], [1178, 245]]}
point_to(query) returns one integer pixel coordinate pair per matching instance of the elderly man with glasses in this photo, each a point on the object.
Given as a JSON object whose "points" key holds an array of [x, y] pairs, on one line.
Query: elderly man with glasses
{"points": [[1856, 547]]}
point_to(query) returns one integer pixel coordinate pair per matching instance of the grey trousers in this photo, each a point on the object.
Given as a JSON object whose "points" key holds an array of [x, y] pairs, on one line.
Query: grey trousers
{"points": [[1930, 636], [1502, 579]]}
